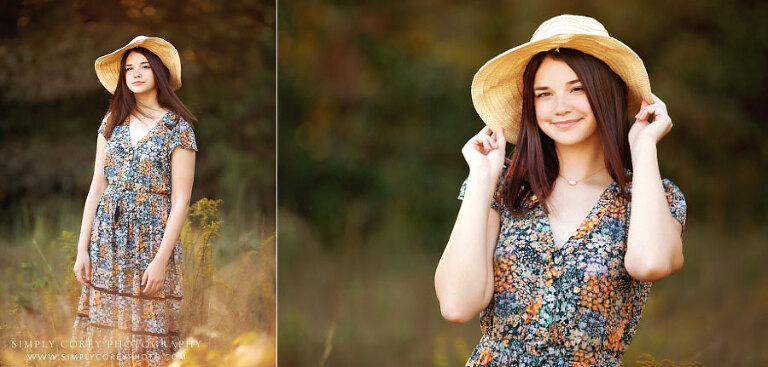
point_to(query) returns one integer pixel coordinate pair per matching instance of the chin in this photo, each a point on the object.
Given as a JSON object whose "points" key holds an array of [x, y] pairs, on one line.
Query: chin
{"points": [[140, 90], [569, 139]]}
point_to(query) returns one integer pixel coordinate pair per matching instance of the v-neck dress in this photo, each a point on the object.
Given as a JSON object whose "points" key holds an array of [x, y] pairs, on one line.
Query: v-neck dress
{"points": [[126, 234], [569, 306]]}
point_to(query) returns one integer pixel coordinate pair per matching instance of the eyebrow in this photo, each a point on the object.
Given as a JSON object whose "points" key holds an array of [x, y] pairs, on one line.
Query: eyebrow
{"points": [[568, 83], [141, 63]]}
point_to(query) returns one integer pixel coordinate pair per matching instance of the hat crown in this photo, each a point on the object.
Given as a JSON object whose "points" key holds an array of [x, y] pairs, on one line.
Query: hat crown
{"points": [[569, 24], [138, 39]]}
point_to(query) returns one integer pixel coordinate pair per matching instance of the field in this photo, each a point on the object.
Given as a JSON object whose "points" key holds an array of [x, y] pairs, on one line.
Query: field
{"points": [[365, 305], [229, 290]]}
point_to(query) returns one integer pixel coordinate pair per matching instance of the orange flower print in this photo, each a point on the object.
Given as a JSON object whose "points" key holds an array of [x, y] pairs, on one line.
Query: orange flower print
{"points": [[571, 303], [131, 212]]}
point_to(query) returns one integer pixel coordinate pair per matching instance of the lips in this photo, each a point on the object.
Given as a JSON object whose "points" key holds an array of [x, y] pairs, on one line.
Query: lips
{"points": [[137, 83], [566, 123]]}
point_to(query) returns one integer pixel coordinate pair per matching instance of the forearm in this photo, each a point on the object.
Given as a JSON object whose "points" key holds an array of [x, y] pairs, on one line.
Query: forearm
{"points": [[464, 274], [173, 227], [89, 213], [654, 249]]}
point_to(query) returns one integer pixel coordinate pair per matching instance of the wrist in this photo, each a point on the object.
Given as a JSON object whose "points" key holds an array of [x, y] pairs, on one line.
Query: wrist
{"points": [[482, 178], [642, 143], [160, 259], [642, 147]]}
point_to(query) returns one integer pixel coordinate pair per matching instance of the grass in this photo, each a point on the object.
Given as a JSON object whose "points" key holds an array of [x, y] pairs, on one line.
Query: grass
{"points": [[229, 301], [370, 301]]}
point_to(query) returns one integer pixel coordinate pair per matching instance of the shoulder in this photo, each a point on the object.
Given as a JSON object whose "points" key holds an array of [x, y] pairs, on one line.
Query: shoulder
{"points": [[176, 122]]}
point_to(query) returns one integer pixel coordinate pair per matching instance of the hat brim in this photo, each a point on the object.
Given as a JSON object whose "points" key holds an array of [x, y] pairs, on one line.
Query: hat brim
{"points": [[497, 87], [108, 66]]}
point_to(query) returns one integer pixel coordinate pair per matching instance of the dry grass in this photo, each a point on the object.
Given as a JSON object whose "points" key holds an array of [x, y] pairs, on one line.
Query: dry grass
{"points": [[228, 312]]}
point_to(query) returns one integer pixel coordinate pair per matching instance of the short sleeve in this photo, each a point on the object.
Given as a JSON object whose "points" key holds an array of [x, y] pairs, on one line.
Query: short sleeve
{"points": [[494, 204], [182, 136], [676, 201], [103, 124]]}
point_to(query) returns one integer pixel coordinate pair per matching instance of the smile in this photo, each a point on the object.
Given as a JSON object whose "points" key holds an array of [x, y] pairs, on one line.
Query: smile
{"points": [[566, 123], [137, 83]]}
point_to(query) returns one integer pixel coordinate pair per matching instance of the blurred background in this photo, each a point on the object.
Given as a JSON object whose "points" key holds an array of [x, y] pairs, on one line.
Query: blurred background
{"points": [[374, 108], [51, 105]]}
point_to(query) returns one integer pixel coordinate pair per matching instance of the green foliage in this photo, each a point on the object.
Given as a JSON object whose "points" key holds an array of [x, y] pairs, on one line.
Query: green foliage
{"points": [[51, 102]]}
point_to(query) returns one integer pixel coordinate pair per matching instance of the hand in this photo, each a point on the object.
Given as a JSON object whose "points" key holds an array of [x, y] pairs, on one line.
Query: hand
{"points": [[643, 130], [486, 150], [83, 265], [153, 277]]}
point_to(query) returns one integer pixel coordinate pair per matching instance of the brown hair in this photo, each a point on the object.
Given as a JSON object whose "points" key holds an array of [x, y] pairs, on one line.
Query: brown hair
{"points": [[124, 102], [534, 166]]}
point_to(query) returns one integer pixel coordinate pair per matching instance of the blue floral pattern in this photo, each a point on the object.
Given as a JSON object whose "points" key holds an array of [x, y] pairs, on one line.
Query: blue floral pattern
{"points": [[126, 234], [573, 305]]}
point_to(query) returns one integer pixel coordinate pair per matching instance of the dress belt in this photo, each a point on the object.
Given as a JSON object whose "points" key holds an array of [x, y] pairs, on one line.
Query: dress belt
{"points": [[121, 195]]}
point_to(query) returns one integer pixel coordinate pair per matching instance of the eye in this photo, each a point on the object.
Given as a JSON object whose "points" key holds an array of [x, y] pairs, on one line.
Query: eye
{"points": [[542, 94], [578, 88], [147, 67], [128, 68]]}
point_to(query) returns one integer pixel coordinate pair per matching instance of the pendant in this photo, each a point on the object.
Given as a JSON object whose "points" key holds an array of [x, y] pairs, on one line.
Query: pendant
{"points": [[572, 183]]}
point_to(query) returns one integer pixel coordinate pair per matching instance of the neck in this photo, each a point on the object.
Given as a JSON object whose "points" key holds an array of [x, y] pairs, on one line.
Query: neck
{"points": [[582, 160], [147, 101]]}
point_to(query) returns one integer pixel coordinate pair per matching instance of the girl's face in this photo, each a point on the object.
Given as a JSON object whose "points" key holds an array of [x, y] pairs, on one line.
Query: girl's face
{"points": [[562, 108], [138, 74]]}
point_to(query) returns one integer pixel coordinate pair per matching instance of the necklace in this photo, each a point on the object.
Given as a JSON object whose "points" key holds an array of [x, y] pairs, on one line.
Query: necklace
{"points": [[574, 182]]}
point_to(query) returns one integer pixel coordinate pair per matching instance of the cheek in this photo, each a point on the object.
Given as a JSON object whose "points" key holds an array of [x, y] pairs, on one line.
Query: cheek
{"points": [[540, 109], [583, 104]]}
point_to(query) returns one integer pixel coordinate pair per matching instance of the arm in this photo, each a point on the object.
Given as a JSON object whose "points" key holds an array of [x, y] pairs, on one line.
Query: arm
{"points": [[182, 177], [654, 246], [98, 185], [464, 275]]}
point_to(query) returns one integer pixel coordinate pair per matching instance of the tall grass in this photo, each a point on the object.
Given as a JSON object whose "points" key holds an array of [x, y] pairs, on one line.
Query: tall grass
{"points": [[228, 312]]}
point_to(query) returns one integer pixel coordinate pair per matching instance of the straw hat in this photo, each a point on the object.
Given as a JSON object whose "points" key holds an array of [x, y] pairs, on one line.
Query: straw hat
{"points": [[497, 88], [108, 66]]}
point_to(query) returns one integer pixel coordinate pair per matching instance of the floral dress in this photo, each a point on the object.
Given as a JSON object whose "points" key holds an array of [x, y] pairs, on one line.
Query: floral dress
{"points": [[574, 305], [113, 316]]}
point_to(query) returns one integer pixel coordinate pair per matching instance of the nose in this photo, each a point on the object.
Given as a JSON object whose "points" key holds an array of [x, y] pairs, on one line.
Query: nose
{"points": [[562, 104]]}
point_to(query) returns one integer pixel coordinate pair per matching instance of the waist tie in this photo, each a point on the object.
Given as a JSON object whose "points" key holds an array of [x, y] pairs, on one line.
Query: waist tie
{"points": [[127, 197]]}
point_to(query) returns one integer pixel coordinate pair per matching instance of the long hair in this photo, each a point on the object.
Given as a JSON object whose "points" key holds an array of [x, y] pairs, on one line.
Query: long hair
{"points": [[124, 102], [534, 165]]}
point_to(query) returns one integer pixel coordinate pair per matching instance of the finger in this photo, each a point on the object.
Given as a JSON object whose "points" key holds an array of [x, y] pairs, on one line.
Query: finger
{"points": [[492, 141], [645, 113], [78, 276], [641, 113], [144, 279], [658, 100], [486, 143], [484, 131], [643, 104], [500, 138], [88, 272]]}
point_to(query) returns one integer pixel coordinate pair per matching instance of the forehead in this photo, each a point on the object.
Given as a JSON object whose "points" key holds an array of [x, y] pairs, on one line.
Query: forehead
{"points": [[553, 72], [135, 57]]}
